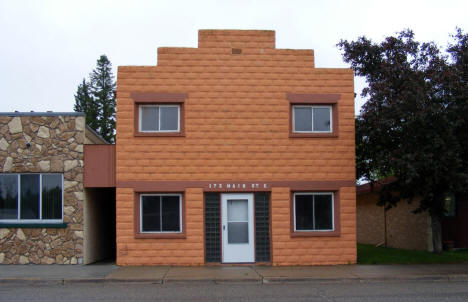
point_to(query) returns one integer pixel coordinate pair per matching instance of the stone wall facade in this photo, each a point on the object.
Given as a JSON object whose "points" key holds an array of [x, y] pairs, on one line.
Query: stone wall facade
{"points": [[45, 143]]}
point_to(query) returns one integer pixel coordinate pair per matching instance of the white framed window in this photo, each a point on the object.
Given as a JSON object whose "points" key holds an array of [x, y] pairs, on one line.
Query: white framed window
{"points": [[31, 198], [161, 213], [312, 119], [159, 118], [314, 211]]}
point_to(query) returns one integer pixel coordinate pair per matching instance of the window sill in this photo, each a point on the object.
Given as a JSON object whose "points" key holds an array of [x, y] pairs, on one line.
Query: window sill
{"points": [[312, 134], [316, 234], [33, 225], [160, 134], [160, 236]]}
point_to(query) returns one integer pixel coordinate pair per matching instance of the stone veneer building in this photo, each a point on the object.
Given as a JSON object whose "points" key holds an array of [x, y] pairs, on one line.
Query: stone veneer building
{"points": [[41, 187]]}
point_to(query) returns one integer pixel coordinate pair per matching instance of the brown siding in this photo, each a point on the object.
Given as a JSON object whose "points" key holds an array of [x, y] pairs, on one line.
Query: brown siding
{"points": [[404, 229], [370, 220], [99, 168], [455, 228]]}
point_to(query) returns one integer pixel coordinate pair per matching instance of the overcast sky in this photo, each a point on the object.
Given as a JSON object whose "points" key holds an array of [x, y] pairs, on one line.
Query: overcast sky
{"points": [[48, 47]]}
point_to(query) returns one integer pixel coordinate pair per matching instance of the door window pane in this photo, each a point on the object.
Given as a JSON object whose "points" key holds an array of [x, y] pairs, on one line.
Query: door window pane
{"points": [[51, 196], [8, 196], [322, 119], [169, 118], [304, 212], [302, 118], [238, 232], [237, 210], [323, 212], [149, 118], [170, 214], [30, 196], [151, 214]]}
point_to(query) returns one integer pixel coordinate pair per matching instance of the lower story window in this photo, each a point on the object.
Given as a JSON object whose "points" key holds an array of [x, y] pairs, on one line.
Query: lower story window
{"points": [[31, 197], [161, 213], [313, 211]]}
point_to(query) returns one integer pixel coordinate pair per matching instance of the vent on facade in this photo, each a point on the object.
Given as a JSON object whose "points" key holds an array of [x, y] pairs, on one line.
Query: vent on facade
{"points": [[236, 51]]}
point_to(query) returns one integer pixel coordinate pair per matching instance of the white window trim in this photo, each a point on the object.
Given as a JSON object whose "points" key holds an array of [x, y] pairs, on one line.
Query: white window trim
{"points": [[140, 107], [161, 232], [315, 193], [32, 221], [312, 113]]}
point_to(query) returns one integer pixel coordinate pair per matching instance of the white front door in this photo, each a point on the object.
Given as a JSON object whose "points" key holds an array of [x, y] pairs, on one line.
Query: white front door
{"points": [[237, 228]]}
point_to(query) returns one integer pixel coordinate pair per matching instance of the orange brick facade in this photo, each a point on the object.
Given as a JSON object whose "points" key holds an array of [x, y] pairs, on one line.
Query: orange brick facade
{"points": [[236, 129]]}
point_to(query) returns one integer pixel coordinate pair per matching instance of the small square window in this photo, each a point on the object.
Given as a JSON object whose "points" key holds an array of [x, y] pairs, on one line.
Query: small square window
{"points": [[312, 119], [313, 212], [159, 118]]}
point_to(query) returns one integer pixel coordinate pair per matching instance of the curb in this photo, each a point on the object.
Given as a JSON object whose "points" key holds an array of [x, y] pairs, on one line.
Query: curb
{"points": [[213, 281], [285, 280], [32, 281], [105, 280], [262, 280], [457, 278], [433, 278]]}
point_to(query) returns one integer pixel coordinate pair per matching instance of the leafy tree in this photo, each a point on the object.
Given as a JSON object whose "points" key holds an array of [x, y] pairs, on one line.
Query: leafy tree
{"points": [[96, 98], [413, 125]]}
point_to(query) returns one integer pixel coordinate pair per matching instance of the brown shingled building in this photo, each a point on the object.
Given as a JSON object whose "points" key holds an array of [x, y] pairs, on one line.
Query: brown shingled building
{"points": [[235, 152]]}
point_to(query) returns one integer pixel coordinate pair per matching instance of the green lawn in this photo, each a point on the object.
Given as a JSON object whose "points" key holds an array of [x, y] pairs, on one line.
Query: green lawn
{"points": [[369, 254]]}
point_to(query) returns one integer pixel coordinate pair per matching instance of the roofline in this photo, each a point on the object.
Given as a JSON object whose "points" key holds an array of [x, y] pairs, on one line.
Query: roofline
{"points": [[47, 113], [375, 186], [97, 135]]}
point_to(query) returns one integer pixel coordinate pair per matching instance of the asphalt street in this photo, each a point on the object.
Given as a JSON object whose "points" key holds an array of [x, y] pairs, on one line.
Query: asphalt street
{"points": [[305, 291]]}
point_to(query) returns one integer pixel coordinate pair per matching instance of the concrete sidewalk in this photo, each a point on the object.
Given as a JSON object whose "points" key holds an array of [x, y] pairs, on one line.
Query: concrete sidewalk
{"points": [[224, 274]]}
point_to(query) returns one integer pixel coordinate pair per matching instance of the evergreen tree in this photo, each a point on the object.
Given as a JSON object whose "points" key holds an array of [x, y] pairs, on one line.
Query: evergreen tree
{"points": [[103, 90], [84, 102], [97, 99]]}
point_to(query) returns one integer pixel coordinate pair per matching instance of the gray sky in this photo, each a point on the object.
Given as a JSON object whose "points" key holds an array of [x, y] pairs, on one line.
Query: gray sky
{"points": [[47, 47]]}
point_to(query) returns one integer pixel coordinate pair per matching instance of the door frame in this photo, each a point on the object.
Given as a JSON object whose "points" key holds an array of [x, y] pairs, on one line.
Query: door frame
{"points": [[251, 257]]}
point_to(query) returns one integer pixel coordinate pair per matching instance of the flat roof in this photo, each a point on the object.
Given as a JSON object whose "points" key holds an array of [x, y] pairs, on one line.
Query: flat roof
{"points": [[47, 113]]}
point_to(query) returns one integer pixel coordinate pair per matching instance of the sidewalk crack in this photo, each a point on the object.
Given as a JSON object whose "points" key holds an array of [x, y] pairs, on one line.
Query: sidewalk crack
{"points": [[163, 280], [260, 275]]}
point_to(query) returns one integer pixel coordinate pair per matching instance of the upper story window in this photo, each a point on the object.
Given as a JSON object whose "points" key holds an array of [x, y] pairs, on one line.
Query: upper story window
{"points": [[159, 114], [312, 119], [313, 115], [159, 118], [31, 198]]}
